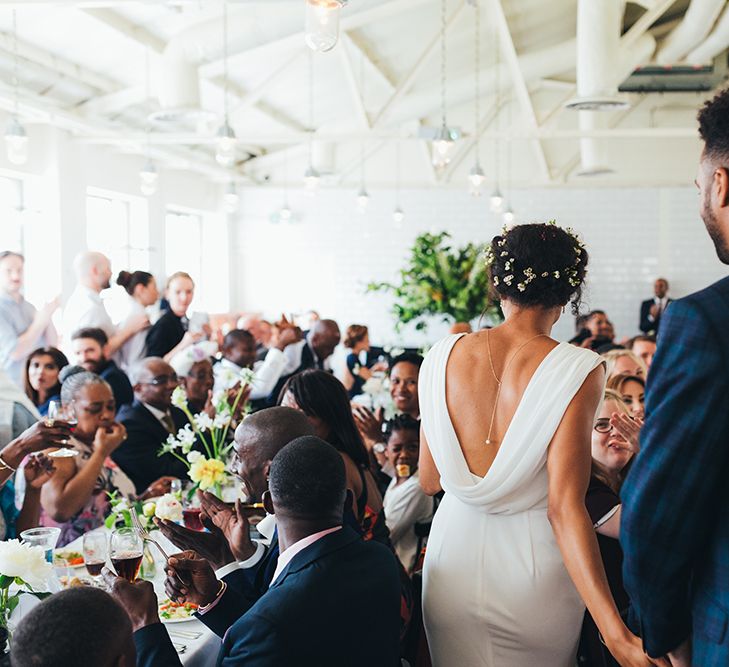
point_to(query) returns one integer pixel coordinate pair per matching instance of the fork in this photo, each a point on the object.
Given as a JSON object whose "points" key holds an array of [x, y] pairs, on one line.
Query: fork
{"points": [[146, 537]]}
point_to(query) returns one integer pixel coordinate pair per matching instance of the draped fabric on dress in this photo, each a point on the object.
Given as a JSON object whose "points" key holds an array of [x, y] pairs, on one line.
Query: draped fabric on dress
{"points": [[496, 592]]}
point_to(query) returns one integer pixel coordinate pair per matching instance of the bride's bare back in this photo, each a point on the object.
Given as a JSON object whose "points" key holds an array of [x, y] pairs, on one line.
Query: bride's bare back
{"points": [[471, 387]]}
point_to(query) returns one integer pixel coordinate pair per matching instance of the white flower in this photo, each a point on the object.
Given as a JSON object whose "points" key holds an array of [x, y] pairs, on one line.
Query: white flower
{"points": [[121, 506], [246, 376], [226, 378], [186, 435], [194, 456], [179, 398], [221, 420], [168, 507], [372, 386], [203, 421], [25, 562]]}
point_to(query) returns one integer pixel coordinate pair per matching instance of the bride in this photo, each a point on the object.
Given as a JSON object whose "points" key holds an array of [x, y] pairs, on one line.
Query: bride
{"points": [[506, 420]]}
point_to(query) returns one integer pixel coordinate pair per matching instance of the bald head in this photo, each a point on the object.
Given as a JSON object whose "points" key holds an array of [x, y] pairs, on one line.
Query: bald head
{"points": [[154, 380], [93, 270], [259, 438], [324, 336]]}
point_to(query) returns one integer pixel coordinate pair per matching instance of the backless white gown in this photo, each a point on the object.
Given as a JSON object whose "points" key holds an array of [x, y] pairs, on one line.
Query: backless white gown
{"points": [[496, 592]]}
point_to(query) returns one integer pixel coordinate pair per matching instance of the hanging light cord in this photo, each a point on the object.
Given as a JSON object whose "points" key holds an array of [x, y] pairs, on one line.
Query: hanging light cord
{"points": [[147, 94], [477, 81], [225, 60], [397, 173], [497, 76], [362, 97], [16, 67], [311, 108], [443, 60]]}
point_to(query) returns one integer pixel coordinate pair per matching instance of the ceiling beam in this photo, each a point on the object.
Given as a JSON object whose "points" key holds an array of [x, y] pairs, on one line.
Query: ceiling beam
{"points": [[350, 20], [647, 19], [521, 90], [113, 103], [135, 32], [423, 59]]}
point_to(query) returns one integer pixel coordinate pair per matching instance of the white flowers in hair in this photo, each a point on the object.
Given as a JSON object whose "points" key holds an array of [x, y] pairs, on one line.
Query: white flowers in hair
{"points": [[571, 273], [25, 562]]}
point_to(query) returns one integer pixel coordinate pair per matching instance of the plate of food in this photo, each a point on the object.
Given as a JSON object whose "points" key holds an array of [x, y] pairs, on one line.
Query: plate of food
{"points": [[67, 558], [176, 612]]}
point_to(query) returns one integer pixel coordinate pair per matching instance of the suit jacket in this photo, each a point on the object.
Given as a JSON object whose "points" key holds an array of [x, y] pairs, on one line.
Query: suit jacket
{"points": [[647, 325], [137, 456], [119, 383], [675, 516]]}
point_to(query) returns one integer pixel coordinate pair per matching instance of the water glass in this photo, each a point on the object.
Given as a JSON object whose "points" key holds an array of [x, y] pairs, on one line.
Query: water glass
{"points": [[96, 550], [46, 538]]}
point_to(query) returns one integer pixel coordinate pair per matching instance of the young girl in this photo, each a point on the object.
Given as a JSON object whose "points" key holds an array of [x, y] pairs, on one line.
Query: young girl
{"points": [[405, 503]]}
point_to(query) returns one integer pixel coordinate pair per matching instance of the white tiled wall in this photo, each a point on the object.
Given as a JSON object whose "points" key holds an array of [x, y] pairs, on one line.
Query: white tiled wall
{"points": [[326, 257]]}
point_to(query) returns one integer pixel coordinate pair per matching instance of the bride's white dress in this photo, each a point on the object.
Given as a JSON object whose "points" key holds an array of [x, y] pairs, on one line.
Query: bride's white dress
{"points": [[496, 591]]}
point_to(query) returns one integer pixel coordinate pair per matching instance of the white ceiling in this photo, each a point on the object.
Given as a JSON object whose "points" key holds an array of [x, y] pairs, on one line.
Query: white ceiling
{"points": [[82, 67]]}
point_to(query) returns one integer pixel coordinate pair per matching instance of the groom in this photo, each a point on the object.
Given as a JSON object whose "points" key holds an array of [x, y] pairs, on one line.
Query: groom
{"points": [[675, 516]]}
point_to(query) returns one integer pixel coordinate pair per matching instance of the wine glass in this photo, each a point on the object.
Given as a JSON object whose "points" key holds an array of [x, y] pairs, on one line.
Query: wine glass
{"points": [[65, 413], [126, 553], [95, 548], [176, 486]]}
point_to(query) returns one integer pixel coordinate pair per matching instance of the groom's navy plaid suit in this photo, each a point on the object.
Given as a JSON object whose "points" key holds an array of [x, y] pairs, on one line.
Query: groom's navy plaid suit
{"points": [[675, 516]]}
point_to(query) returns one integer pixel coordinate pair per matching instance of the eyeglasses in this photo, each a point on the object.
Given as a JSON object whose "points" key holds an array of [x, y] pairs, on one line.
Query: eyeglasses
{"points": [[163, 380], [603, 425]]}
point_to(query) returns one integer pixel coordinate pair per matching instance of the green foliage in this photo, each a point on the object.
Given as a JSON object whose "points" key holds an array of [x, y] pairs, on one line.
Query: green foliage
{"points": [[442, 281]]}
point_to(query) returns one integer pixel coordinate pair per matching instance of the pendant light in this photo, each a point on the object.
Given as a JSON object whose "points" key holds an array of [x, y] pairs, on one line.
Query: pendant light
{"points": [[398, 215], [321, 30], [225, 139], [16, 138], [231, 199], [443, 142]]}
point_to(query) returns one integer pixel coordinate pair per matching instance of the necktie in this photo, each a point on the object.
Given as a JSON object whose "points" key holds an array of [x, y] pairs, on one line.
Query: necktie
{"points": [[169, 424]]}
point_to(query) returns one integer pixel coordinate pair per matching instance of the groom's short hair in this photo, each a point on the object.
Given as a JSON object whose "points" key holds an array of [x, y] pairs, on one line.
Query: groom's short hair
{"points": [[714, 128], [78, 626]]}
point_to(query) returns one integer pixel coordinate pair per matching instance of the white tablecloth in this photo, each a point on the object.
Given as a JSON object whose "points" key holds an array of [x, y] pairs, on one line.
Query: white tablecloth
{"points": [[199, 652]]}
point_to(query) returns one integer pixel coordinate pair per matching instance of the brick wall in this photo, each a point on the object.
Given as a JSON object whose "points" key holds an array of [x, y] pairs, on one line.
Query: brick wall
{"points": [[326, 256]]}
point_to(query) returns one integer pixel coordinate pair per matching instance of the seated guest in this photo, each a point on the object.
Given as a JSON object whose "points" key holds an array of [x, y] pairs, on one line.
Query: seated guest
{"points": [[643, 347], [141, 287], [260, 330], [614, 443], [76, 498], [22, 327], [405, 502], [323, 399], [169, 335], [597, 331], [195, 370], [239, 352], [652, 310], [324, 567], [314, 351], [623, 361], [359, 370], [404, 372], [631, 389], [48, 635], [41, 377], [90, 348], [148, 421]]}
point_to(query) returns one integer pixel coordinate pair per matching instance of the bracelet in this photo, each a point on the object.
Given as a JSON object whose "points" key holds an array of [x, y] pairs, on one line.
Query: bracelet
{"points": [[5, 466]]}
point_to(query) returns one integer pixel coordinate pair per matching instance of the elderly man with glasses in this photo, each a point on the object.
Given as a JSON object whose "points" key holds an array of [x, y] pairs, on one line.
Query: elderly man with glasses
{"points": [[149, 420]]}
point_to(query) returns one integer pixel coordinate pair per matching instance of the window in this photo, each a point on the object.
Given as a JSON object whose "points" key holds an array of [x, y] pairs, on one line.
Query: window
{"points": [[118, 226], [198, 244]]}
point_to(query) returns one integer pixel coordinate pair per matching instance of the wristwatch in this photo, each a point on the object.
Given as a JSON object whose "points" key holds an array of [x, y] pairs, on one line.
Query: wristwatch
{"points": [[379, 447]]}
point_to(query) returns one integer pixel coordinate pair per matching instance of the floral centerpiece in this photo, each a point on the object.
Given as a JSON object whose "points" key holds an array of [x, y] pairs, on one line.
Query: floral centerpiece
{"points": [[26, 566], [208, 470]]}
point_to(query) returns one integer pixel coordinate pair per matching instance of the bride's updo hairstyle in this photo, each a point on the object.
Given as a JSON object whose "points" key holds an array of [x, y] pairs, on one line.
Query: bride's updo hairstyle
{"points": [[538, 265]]}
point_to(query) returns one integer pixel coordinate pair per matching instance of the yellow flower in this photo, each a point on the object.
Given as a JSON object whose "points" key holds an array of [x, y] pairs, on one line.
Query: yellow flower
{"points": [[208, 472]]}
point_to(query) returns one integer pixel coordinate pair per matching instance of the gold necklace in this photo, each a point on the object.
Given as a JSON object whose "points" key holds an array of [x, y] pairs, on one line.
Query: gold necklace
{"points": [[489, 441]]}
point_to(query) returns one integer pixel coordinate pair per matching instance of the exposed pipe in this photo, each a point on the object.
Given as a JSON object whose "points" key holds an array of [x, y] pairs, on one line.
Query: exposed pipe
{"points": [[696, 24], [714, 44]]}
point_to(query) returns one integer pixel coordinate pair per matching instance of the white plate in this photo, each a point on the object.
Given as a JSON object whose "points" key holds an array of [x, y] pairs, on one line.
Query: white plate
{"points": [[58, 563], [170, 621]]}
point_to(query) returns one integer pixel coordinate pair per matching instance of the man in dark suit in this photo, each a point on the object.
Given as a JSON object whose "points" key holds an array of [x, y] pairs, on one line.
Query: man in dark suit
{"points": [[328, 584], [90, 347], [675, 514], [652, 310], [313, 351], [149, 420]]}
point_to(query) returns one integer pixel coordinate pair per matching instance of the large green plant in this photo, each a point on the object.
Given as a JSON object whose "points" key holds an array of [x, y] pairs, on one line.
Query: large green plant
{"points": [[440, 280]]}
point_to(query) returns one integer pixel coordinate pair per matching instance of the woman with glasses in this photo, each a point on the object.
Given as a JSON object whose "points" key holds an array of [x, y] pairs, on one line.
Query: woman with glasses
{"points": [[614, 444]]}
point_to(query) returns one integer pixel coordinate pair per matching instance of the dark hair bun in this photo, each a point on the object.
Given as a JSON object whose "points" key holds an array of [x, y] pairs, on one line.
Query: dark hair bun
{"points": [[538, 265], [67, 371], [124, 278]]}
